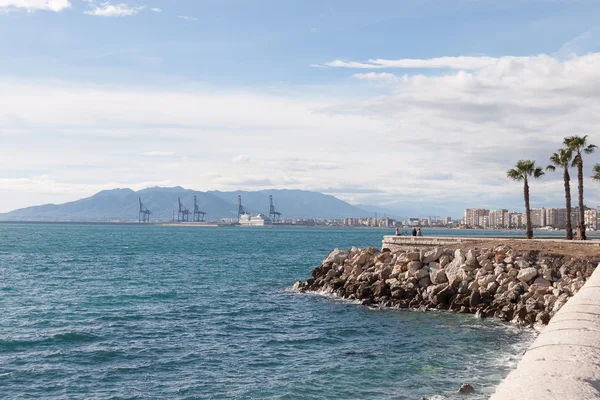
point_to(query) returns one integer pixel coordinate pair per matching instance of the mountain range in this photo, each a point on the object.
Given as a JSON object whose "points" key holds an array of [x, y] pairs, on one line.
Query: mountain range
{"points": [[122, 204]]}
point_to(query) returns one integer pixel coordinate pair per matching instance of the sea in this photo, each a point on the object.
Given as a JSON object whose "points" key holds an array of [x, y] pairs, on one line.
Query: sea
{"points": [[176, 312]]}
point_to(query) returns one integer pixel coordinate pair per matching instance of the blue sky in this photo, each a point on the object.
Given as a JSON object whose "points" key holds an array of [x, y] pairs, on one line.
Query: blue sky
{"points": [[416, 103], [273, 42]]}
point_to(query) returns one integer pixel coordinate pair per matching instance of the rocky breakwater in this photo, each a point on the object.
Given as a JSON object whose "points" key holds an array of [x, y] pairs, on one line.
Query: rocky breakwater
{"points": [[524, 287]]}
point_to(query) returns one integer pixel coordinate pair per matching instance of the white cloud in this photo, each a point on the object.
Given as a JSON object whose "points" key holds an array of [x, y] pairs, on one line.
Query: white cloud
{"points": [[241, 159], [157, 10], [187, 18], [383, 77], [107, 9], [463, 63], [436, 141], [34, 5], [158, 153]]}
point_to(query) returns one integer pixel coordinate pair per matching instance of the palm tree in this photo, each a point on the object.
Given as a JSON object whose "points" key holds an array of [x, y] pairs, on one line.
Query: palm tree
{"points": [[563, 159], [525, 169], [579, 145]]}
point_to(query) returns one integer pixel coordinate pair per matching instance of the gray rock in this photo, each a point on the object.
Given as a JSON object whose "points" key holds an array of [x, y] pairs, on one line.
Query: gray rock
{"points": [[422, 273], [541, 283], [527, 274], [438, 276], [475, 299], [425, 282], [453, 271], [337, 256], [413, 267], [492, 287], [445, 260], [432, 255], [471, 259], [486, 280], [465, 388]]}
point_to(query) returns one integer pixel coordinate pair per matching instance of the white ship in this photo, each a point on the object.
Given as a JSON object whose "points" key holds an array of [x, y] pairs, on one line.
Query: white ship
{"points": [[255, 220]]}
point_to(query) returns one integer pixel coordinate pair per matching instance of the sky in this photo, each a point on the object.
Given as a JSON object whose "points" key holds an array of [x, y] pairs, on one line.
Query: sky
{"points": [[419, 105]]}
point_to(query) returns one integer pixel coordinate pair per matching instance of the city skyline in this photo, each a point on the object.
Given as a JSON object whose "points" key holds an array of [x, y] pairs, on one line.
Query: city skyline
{"points": [[373, 103], [541, 217]]}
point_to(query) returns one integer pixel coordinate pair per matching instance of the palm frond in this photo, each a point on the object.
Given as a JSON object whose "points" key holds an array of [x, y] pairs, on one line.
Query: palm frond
{"points": [[551, 168], [596, 171], [514, 175]]}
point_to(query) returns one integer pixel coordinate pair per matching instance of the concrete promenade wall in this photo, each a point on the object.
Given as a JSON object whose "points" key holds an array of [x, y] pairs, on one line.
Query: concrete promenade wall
{"points": [[401, 242], [564, 361]]}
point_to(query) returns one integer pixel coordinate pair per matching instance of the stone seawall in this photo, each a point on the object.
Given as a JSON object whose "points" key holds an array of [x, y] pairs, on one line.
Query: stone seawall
{"points": [[481, 277], [564, 361]]}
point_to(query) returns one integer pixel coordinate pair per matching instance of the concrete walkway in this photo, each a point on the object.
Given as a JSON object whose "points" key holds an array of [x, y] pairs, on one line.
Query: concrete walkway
{"points": [[564, 361]]}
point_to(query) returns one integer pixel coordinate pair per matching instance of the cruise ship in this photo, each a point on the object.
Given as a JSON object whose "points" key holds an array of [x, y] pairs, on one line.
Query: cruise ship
{"points": [[254, 220]]}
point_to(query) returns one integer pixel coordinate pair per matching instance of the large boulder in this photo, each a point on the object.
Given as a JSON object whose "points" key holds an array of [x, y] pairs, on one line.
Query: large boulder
{"points": [[337, 256], [471, 259], [527, 274], [486, 280], [453, 271], [422, 273], [444, 260], [413, 267], [540, 283], [431, 255], [438, 276]]}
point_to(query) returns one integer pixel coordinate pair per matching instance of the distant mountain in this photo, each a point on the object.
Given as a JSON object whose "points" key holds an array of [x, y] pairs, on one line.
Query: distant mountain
{"points": [[122, 204], [381, 211], [294, 203]]}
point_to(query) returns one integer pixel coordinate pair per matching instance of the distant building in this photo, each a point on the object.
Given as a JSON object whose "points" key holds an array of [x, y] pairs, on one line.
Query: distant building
{"points": [[591, 219], [538, 217], [496, 218], [475, 216], [556, 217], [516, 220]]}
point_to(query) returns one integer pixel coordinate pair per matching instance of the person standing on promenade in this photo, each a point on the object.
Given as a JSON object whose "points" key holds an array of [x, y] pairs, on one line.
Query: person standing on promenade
{"points": [[419, 233], [397, 232], [414, 232]]}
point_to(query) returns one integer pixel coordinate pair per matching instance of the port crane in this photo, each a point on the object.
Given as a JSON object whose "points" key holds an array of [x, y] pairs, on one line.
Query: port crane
{"points": [[240, 208], [274, 215], [144, 214], [198, 214], [183, 215]]}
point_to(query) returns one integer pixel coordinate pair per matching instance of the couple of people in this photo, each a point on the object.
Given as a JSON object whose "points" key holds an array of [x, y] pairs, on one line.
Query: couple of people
{"points": [[415, 232]]}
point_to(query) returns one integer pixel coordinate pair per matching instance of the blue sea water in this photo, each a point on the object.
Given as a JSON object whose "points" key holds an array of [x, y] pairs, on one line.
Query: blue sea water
{"points": [[151, 312]]}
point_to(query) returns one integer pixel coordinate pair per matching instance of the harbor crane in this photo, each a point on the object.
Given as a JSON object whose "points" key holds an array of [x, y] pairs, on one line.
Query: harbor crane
{"points": [[144, 214], [198, 214], [240, 208], [274, 215], [183, 215]]}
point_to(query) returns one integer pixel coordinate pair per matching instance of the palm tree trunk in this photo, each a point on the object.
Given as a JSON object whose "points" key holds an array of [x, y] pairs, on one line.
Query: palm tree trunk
{"points": [[581, 210], [529, 233], [569, 226]]}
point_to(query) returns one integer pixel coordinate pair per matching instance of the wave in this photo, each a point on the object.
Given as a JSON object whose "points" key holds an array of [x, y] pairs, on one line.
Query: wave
{"points": [[59, 338]]}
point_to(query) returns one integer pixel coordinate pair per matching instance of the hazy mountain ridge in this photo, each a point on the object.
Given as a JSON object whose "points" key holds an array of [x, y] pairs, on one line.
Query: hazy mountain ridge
{"points": [[122, 204]]}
